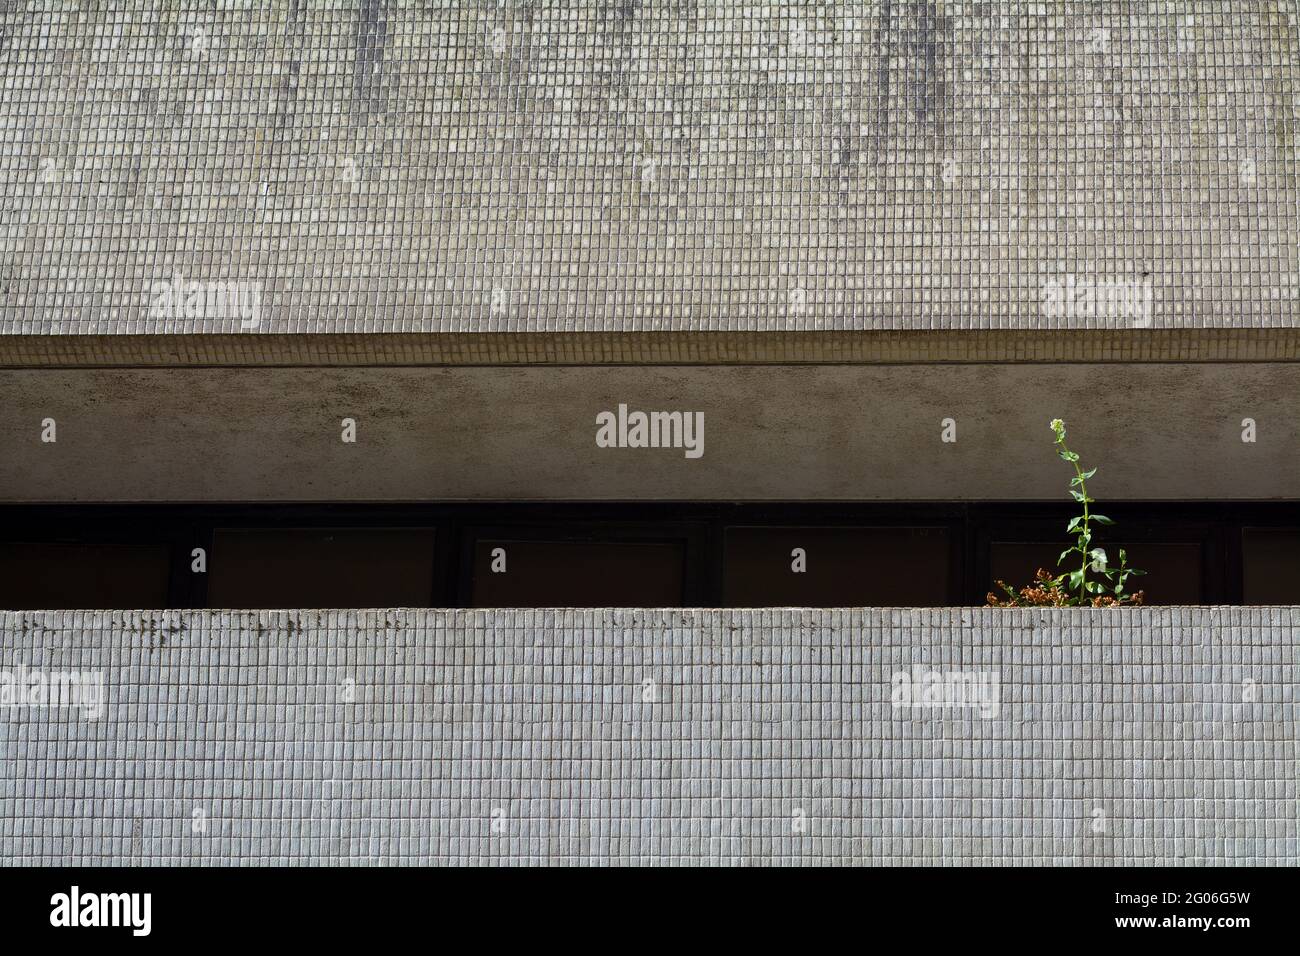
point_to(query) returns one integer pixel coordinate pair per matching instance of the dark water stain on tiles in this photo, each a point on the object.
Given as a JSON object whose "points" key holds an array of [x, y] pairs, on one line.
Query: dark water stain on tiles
{"points": [[371, 38]]}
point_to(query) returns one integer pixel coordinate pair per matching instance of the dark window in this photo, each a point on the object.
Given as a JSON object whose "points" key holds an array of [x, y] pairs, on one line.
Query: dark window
{"points": [[62, 576], [578, 573], [1270, 560], [843, 567], [647, 554], [1174, 574], [320, 567]]}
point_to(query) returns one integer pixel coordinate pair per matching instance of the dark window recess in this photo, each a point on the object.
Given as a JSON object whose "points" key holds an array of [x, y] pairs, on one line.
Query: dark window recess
{"points": [[579, 574], [60, 576], [1174, 569], [1270, 564], [648, 554], [843, 567], [320, 568]]}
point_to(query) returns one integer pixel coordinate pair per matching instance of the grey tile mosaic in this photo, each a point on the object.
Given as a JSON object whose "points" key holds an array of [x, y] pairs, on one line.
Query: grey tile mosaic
{"points": [[1149, 736], [663, 166]]}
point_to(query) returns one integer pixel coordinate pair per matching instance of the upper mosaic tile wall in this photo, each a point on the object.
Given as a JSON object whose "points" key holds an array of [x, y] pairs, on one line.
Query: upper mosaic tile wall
{"points": [[618, 166]]}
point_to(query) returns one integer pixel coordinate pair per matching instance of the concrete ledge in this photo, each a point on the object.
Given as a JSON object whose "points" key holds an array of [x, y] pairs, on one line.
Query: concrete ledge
{"points": [[878, 346], [1151, 736]]}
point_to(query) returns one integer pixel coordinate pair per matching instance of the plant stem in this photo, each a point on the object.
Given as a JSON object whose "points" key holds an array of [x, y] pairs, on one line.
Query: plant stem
{"points": [[1086, 536], [1083, 534]]}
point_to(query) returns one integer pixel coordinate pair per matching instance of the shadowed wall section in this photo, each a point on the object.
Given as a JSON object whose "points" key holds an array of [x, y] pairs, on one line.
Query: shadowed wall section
{"points": [[867, 432]]}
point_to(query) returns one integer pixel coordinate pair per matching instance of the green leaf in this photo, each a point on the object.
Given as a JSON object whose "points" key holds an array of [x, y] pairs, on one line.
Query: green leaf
{"points": [[1078, 495], [1074, 523], [1088, 474], [1102, 519], [1063, 554]]}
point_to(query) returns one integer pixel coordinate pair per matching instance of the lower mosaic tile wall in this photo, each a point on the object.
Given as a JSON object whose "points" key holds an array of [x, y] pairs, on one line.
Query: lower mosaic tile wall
{"points": [[1153, 736]]}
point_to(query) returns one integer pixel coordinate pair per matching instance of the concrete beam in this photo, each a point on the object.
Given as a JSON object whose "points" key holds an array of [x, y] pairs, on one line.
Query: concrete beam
{"points": [[771, 433]]}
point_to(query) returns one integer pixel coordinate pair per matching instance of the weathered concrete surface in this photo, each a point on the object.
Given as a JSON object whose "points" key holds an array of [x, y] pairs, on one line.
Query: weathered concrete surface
{"points": [[640, 166], [1152, 736], [779, 433]]}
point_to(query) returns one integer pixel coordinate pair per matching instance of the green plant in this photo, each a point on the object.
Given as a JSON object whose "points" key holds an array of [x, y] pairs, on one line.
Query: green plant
{"points": [[1074, 588]]}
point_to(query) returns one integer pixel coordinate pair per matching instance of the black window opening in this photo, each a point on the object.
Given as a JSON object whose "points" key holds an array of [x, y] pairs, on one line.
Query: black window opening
{"points": [[1270, 559], [620, 555], [837, 567], [1171, 570], [321, 567], [72, 575], [511, 572]]}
